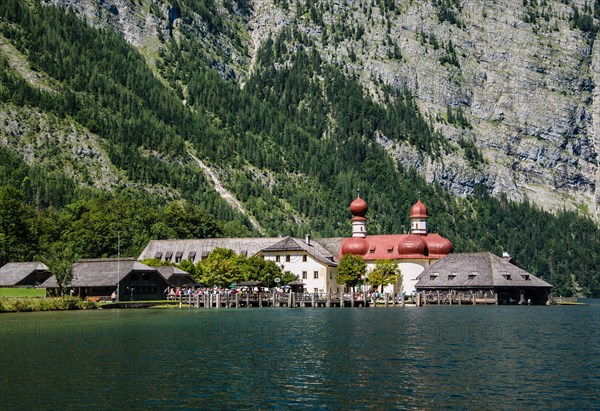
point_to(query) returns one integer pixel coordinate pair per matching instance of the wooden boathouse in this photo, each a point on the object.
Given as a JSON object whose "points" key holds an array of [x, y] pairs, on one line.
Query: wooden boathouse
{"points": [[480, 278]]}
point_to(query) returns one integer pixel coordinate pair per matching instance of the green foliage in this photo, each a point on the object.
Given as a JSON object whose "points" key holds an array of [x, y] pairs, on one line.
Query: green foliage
{"points": [[350, 270], [448, 10], [184, 220], [584, 21], [385, 272], [220, 268], [155, 262], [23, 292], [450, 56], [17, 232], [189, 267], [43, 304], [257, 268], [472, 153], [60, 263]]}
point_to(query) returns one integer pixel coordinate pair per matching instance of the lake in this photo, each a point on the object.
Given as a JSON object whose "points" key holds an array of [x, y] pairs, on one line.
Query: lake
{"points": [[434, 357]]}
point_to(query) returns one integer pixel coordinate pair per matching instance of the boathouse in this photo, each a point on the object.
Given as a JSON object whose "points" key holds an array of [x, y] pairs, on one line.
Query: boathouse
{"points": [[31, 274], [99, 278], [481, 278]]}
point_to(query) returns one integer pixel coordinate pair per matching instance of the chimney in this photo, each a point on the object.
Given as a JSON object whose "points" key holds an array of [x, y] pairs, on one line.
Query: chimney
{"points": [[307, 239]]}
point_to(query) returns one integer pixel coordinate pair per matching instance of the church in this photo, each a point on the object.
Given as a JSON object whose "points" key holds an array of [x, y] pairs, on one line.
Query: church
{"points": [[412, 252]]}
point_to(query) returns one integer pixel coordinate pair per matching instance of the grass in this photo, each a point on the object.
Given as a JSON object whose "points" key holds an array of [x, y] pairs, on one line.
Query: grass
{"points": [[22, 292]]}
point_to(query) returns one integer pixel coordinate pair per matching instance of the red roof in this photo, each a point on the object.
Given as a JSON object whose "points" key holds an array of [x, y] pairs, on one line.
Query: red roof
{"points": [[354, 245], [418, 210], [359, 207], [399, 246]]}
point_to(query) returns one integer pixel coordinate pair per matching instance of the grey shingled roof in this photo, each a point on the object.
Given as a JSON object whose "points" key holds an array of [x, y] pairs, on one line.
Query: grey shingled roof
{"points": [[100, 272], [287, 244], [314, 249], [201, 247], [12, 273], [476, 270], [169, 271], [241, 246], [332, 245]]}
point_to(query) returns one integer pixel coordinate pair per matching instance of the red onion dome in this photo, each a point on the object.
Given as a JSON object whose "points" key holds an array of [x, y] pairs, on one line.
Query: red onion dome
{"points": [[355, 245], [418, 210], [359, 207], [439, 245], [412, 244]]}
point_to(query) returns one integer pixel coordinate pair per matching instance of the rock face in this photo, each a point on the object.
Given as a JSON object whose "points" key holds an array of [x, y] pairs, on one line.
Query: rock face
{"points": [[523, 74]]}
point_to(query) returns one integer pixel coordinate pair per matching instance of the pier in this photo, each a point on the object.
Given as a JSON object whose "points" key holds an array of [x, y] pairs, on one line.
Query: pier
{"points": [[289, 300], [316, 300]]}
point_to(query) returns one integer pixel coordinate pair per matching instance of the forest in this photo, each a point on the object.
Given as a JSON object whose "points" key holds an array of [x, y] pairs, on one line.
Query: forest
{"points": [[293, 145]]}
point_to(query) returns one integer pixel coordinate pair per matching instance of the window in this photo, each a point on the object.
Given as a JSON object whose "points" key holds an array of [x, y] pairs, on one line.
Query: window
{"points": [[305, 274], [506, 275], [525, 277], [168, 255], [158, 255], [390, 250], [433, 276], [277, 258], [178, 256], [451, 276], [288, 258], [304, 258], [316, 275], [191, 256], [372, 250]]}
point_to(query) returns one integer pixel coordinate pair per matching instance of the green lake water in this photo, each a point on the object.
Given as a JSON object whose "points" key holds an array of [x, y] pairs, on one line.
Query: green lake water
{"points": [[433, 357]]}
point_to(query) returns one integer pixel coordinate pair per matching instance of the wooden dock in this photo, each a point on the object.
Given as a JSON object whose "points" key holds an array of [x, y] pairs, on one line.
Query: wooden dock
{"points": [[288, 300]]}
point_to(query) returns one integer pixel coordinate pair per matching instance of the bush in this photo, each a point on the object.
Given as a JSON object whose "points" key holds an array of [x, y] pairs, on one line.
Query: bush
{"points": [[43, 304]]}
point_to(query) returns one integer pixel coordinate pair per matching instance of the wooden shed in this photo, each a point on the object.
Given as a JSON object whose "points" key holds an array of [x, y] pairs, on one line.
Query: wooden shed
{"points": [[99, 278]]}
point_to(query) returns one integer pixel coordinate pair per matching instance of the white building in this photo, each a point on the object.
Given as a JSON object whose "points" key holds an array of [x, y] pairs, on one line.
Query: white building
{"points": [[312, 261]]}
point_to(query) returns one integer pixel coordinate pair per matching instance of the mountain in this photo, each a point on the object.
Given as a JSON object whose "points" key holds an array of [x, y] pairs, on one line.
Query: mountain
{"points": [[509, 84], [272, 113]]}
